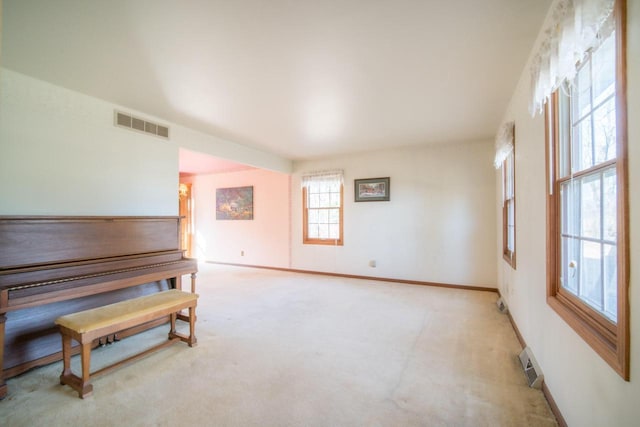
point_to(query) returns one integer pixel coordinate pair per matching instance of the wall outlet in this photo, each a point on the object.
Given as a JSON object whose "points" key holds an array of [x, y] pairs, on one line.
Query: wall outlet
{"points": [[241, 253], [372, 263]]}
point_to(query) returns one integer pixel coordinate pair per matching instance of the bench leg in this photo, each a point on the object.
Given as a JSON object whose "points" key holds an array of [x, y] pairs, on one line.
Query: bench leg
{"points": [[81, 385], [191, 339], [192, 327], [66, 358], [172, 331], [87, 388]]}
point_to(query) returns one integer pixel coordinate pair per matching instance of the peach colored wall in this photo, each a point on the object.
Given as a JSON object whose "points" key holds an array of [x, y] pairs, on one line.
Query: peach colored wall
{"points": [[264, 240]]}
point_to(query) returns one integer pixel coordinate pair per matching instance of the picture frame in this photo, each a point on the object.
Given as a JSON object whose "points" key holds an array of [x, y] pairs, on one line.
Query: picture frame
{"points": [[234, 203], [372, 189]]}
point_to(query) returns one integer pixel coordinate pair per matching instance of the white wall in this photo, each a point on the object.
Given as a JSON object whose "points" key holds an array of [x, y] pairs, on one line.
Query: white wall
{"points": [[587, 391], [438, 226], [264, 240], [60, 154]]}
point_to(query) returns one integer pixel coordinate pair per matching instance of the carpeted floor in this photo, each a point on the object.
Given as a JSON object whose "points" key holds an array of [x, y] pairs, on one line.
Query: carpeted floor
{"points": [[285, 349]]}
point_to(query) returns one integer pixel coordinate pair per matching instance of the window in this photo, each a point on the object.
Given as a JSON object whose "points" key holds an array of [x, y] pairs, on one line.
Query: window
{"points": [[587, 265], [509, 210], [505, 160], [322, 201]]}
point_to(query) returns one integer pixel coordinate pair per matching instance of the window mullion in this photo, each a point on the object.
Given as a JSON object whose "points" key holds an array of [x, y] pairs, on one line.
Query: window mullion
{"points": [[602, 276], [577, 207], [591, 110]]}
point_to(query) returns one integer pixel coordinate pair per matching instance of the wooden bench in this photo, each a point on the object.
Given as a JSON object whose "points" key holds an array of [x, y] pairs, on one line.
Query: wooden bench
{"points": [[88, 325]]}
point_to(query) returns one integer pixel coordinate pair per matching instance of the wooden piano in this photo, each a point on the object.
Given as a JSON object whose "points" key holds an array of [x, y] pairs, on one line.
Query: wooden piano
{"points": [[55, 265]]}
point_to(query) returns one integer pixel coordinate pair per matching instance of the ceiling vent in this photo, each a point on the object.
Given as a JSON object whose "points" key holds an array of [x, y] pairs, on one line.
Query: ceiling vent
{"points": [[502, 306], [134, 123], [531, 368]]}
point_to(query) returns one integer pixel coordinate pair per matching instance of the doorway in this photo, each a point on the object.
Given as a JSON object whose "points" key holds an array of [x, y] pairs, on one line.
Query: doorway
{"points": [[186, 221]]}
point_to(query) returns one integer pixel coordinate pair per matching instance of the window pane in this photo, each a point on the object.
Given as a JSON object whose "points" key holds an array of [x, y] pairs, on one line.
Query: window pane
{"points": [[590, 206], [609, 210], [334, 231], [313, 216], [323, 187], [570, 214], [604, 71], [314, 200], [604, 130], [323, 216], [334, 200], [569, 267], [323, 231], [313, 231], [510, 226], [591, 274], [582, 93], [582, 146], [564, 159], [324, 200], [610, 282], [334, 216], [313, 187]]}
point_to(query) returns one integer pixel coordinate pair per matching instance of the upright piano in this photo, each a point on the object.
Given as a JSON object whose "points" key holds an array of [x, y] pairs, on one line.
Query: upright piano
{"points": [[55, 265]]}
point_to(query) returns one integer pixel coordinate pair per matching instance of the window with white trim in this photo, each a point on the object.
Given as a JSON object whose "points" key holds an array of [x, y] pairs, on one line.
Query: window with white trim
{"points": [[322, 208]]}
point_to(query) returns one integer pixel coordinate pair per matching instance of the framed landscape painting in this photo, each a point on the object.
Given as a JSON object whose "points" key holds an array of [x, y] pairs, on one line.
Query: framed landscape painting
{"points": [[372, 190], [234, 203]]}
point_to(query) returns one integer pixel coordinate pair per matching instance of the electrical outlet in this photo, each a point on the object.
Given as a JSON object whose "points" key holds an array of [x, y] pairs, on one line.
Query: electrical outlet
{"points": [[241, 253], [372, 263]]}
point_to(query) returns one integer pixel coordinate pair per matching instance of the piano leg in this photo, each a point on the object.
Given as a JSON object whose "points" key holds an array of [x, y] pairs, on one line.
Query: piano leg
{"points": [[193, 283], [3, 384]]}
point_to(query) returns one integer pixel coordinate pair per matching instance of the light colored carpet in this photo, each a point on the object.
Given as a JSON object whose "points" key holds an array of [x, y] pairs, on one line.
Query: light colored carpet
{"points": [[285, 349]]}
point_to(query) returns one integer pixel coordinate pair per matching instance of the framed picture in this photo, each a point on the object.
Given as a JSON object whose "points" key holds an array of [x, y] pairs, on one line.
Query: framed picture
{"points": [[234, 203], [372, 190]]}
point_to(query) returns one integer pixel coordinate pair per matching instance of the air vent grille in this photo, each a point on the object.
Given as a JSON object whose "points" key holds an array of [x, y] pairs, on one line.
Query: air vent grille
{"points": [[131, 122], [502, 306], [531, 368]]}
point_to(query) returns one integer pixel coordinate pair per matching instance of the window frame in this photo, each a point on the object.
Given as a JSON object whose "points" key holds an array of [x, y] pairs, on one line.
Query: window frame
{"points": [[610, 340], [507, 254], [306, 240]]}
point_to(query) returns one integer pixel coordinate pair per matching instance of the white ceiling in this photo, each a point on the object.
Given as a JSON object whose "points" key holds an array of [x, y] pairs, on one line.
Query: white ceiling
{"points": [[300, 78]]}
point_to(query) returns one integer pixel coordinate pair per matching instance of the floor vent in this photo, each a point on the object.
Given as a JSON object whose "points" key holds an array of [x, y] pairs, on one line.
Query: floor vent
{"points": [[134, 123], [502, 306], [531, 368]]}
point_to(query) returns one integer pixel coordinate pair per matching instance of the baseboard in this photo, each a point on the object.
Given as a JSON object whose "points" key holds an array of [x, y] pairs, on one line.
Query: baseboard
{"points": [[553, 405], [545, 390], [517, 331], [354, 276]]}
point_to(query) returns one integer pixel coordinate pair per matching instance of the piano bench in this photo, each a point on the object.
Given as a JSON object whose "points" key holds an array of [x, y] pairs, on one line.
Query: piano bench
{"points": [[86, 326]]}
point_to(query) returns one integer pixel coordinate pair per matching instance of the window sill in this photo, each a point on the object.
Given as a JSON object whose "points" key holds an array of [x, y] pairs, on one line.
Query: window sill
{"points": [[611, 351], [510, 259], [324, 242]]}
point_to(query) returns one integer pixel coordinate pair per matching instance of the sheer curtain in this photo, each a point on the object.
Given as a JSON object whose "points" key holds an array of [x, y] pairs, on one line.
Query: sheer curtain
{"points": [[328, 183], [504, 143], [574, 27], [317, 177]]}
